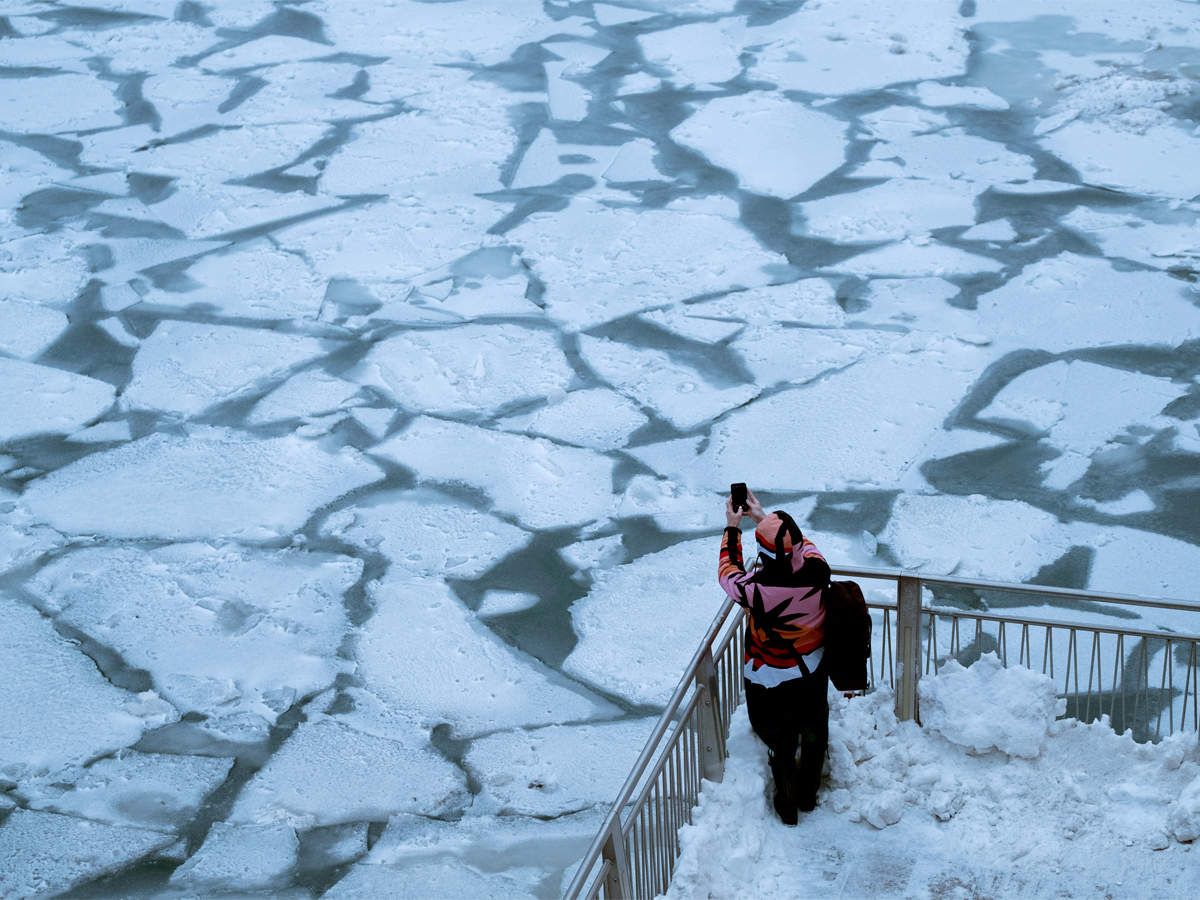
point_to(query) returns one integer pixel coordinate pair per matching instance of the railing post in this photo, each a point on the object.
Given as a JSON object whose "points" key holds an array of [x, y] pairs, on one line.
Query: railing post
{"points": [[908, 646], [712, 737], [618, 882]]}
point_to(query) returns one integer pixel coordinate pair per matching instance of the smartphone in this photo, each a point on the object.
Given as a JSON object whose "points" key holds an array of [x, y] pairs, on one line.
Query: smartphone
{"points": [[738, 493]]}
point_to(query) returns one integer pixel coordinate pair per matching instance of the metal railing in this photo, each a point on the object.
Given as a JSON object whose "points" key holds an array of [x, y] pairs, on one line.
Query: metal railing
{"points": [[635, 852]]}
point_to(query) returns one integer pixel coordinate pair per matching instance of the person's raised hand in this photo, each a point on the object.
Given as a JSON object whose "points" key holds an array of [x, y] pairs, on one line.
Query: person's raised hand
{"points": [[733, 518], [753, 507]]}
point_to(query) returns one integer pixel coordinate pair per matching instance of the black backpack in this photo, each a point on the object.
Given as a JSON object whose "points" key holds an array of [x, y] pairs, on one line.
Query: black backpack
{"points": [[847, 635]]}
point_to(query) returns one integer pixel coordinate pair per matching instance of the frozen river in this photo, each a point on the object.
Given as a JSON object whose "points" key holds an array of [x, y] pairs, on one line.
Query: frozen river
{"points": [[371, 376]]}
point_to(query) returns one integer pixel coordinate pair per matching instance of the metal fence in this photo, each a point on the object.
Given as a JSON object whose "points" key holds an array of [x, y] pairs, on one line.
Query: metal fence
{"points": [[1144, 675]]}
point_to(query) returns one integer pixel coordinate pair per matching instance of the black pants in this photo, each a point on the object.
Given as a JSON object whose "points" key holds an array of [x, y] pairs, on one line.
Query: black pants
{"points": [[795, 713]]}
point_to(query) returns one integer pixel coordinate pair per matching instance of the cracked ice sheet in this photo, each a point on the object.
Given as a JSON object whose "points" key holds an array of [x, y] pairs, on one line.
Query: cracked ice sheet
{"points": [[467, 368], [597, 418], [56, 708], [424, 533], [945, 153], [679, 393], [859, 45], [44, 854], [42, 400], [555, 770], [328, 774], [186, 367], [252, 281], [306, 394], [542, 484], [700, 53], [791, 356], [809, 301], [897, 209], [211, 483], [599, 263], [773, 145], [301, 85], [676, 589], [1078, 407], [157, 791], [1162, 245], [916, 259], [429, 660], [1073, 301], [890, 409], [219, 631]]}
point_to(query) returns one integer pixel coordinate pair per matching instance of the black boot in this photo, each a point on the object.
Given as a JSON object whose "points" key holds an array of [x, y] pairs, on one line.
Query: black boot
{"points": [[787, 786]]}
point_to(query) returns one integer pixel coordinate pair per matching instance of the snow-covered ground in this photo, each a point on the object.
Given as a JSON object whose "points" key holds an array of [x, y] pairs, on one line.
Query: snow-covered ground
{"points": [[371, 376]]}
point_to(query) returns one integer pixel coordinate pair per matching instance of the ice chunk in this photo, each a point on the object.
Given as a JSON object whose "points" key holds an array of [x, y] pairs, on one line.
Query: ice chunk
{"points": [[503, 603], [918, 303], [1158, 162], [223, 154], [468, 368], [909, 259], [239, 858], [941, 154], [773, 145], [675, 588], [609, 15], [1158, 244], [329, 774], [36, 105], [212, 483], [673, 507], [591, 554], [547, 160], [679, 393], [26, 329], [21, 540], [491, 297], [861, 45], [809, 301], [375, 421], [1022, 707], [141, 790], [777, 356], [896, 209], [422, 533], [555, 770], [1000, 540], [1101, 305], [1130, 504], [103, 433], [930, 93], [700, 53], [254, 281], [542, 484], [878, 433], [185, 367], [308, 393], [1184, 817], [599, 263], [218, 630], [427, 658], [694, 324], [45, 854], [56, 708], [41, 400], [995, 230], [634, 162], [596, 418], [666, 456], [432, 878]]}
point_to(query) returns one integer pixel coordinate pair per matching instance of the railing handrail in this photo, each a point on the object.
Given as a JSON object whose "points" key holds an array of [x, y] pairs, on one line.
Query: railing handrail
{"points": [[909, 585]]}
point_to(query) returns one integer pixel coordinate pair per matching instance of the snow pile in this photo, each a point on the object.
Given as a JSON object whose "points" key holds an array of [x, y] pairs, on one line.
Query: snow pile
{"points": [[993, 789]]}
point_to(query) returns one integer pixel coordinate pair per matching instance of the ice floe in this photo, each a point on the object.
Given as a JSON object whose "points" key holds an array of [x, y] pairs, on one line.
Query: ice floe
{"points": [[470, 368], [185, 367], [311, 392], [328, 774], [219, 631], [809, 301], [896, 209], [917, 259], [430, 661], [42, 400], [543, 484], [640, 623], [33, 104], [789, 356], [157, 791], [423, 533], [597, 418], [558, 769], [1092, 302], [937, 155], [773, 145], [850, 47], [57, 708], [45, 854], [209, 483], [1162, 245], [600, 263], [679, 393], [26, 329], [933, 94], [699, 53], [239, 858]]}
